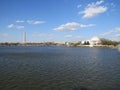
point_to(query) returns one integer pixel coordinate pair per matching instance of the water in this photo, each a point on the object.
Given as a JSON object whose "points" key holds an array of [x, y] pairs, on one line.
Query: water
{"points": [[59, 68]]}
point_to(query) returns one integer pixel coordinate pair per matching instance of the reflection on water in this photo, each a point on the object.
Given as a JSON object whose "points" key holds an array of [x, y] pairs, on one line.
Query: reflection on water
{"points": [[59, 68]]}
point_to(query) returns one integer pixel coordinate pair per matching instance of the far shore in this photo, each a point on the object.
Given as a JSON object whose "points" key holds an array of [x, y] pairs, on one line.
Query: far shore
{"points": [[101, 46], [56, 44]]}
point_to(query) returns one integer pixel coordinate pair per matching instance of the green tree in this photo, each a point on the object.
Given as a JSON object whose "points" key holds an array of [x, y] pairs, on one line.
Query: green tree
{"points": [[109, 42], [86, 43]]}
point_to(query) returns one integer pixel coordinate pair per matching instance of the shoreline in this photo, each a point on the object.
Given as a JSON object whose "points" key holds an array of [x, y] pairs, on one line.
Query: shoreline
{"points": [[58, 44], [88, 46]]}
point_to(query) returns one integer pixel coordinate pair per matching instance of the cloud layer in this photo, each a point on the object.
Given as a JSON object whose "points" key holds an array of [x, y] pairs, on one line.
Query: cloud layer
{"points": [[72, 26], [68, 36], [93, 9], [113, 34], [31, 21], [20, 21], [35, 22], [15, 26]]}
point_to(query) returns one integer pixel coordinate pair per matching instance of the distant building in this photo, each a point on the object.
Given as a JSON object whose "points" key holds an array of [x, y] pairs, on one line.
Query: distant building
{"points": [[67, 43], [95, 41], [60, 43], [82, 42]]}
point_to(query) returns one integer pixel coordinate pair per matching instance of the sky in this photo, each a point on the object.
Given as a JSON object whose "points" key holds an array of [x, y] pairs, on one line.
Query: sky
{"points": [[59, 20]]}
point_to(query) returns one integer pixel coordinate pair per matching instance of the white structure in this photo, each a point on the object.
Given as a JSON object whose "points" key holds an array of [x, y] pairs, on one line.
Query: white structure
{"points": [[24, 37], [95, 41], [82, 42], [67, 44]]}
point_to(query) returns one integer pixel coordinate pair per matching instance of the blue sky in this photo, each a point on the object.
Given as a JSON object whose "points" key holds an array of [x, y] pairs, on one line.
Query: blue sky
{"points": [[59, 20]]}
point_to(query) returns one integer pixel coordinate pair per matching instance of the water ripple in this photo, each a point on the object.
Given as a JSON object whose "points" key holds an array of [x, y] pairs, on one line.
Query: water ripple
{"points": [[59, 68]]}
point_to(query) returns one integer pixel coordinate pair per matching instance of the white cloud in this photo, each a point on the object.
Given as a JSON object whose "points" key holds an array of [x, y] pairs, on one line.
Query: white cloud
{"points": [[10, 26], [46, 36], [73, 37], [78, 37], [72, 26], [68, 36], [35, 22], [42, 35], [93, 9], [113, 5], [107, 33], [20, 27], [19, 21], [31, 21], [117, 35], [15, 26], [38, 34], [78, 6], [113, 34], [117, 29]]}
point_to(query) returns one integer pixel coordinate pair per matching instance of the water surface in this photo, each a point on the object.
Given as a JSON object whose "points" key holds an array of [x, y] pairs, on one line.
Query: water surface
{"points": [[59, 68]]}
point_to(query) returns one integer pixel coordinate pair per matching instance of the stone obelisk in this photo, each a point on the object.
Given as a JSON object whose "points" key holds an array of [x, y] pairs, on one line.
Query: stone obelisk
{"points": [[24, 38]]}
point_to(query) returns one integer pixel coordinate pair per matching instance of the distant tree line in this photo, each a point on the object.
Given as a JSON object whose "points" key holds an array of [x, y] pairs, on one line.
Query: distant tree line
{"points": [[109, 42], [9, 44], [29, 44]]}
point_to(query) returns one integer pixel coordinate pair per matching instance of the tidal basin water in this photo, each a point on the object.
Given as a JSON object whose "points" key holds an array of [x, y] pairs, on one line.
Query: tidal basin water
{"points": [[59, 68]]}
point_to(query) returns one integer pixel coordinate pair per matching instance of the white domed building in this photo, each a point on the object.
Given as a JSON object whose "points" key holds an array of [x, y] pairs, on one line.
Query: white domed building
{"points": [[95, 41]]}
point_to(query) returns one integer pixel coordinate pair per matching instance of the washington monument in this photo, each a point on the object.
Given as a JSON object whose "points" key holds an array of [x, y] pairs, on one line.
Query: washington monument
{"points": [[24, 37]]}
